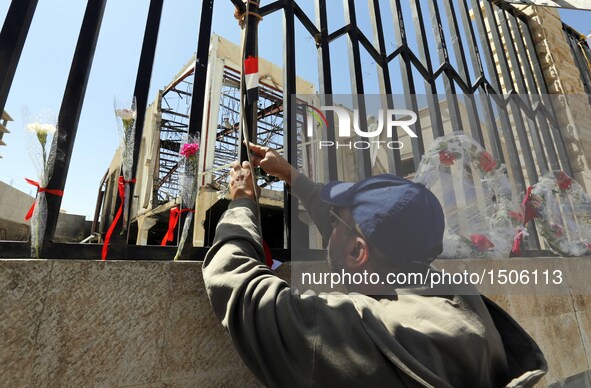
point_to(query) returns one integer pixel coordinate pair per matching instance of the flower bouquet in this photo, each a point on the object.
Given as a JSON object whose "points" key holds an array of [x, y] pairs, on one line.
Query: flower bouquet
{"points": [[126, 127], [562, 210], [188, 181], [481, 216], [42, 150]]}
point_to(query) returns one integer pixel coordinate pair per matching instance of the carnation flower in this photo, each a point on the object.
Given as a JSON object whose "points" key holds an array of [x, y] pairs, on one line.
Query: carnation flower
{"points": [[41, 129], [446, 158], [481, 243], [189, 149], [127, 116], [487, 162], [564, 181]]}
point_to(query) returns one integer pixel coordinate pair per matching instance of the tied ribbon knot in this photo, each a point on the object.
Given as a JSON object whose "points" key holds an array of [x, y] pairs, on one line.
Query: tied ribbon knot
{"points": [[175, 213], [40, 189], [121, 187]]}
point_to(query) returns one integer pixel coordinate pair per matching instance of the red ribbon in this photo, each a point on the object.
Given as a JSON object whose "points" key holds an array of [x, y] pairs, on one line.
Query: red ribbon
{"points": [[529, 213], [121, 188], [516, 249], [40, 190], [268, 257], [175, 213]]}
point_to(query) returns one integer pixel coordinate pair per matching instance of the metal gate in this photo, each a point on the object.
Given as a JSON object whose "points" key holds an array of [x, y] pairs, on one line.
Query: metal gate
{"points": [[582, 54], [442, 48]]}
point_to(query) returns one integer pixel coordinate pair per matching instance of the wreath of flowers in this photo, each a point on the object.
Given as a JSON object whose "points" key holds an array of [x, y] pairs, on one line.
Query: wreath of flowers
{"points": [[562, 210], [491, 230]]}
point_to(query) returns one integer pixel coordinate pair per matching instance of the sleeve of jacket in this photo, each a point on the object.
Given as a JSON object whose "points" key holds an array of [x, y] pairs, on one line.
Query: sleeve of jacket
{"points": [[284, 339], [309, 194], [273, 334]]}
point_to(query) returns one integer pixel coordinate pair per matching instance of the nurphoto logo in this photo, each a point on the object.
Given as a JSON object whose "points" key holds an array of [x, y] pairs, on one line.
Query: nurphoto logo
{"points": [[390, 119]]}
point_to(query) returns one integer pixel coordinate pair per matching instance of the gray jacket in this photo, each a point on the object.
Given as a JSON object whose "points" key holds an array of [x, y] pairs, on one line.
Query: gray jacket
{"points": [[290, 340]]}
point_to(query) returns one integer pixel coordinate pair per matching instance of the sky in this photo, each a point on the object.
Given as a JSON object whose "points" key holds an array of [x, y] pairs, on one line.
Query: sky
{"points": [[43, 69]]}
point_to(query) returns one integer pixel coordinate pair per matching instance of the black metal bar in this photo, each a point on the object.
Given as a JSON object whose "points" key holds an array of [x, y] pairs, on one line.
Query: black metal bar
{"points": [[458, 46], [340, 32], [363, 157], [518, 176], [475, 54], [582, 67], [15, 249], [448, 82], [250, 49], [556, 135], [370, 48], [290, 138], [237, 3], [201, 61], [513, 156], [12, 39], [512, 84], [325, 82], [71, 107], [99, 203], [431, 95], [425, 57], [517, 79], [408, 85], [142, 85], [305, 20], [540, 129], [385, 81]]}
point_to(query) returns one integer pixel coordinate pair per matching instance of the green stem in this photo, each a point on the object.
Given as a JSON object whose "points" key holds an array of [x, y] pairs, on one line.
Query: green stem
{"points": [[44, 163]]}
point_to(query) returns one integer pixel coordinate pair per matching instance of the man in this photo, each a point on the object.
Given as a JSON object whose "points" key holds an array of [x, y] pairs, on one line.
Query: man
{"points": [[349, 340]]}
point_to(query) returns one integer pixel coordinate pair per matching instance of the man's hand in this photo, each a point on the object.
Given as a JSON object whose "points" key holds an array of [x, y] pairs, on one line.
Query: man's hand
{"points": [[273, 163], [241, 183]]}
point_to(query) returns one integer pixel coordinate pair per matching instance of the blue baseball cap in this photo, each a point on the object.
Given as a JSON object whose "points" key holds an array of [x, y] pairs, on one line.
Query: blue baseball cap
{"points": [[401, 218]]}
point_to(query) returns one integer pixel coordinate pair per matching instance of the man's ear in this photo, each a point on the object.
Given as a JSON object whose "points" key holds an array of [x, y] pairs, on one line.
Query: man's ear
{"points": [[357, 253]]}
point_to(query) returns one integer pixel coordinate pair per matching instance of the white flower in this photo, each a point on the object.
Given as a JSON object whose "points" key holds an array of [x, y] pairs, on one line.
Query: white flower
{"points": [[41, 129], [126, 114]]}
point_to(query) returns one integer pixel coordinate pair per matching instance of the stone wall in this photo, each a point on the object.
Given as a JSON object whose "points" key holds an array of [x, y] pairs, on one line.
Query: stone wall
{"points": [[562, 77], [125, 323]]}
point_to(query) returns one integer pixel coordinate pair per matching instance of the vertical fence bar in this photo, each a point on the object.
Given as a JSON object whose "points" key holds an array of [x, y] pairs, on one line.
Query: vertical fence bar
{"points": [[458, 46], [250, 49], [430, 86], [475, 55], [556, 135], [576, 51], [289, 114], [518, 176], [408, 85], [513, 157], [363, 157], [442, 51], [325, 82], [449, 195], [516, 78], [12, 39], [71, 107], [384, 76], [142, 85], [537, 76], [540, 129], [201, 62], [450, 91]]}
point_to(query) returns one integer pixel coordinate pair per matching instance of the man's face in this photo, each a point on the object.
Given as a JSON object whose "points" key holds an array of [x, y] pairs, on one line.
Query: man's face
{"points": [[340, 239]]}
